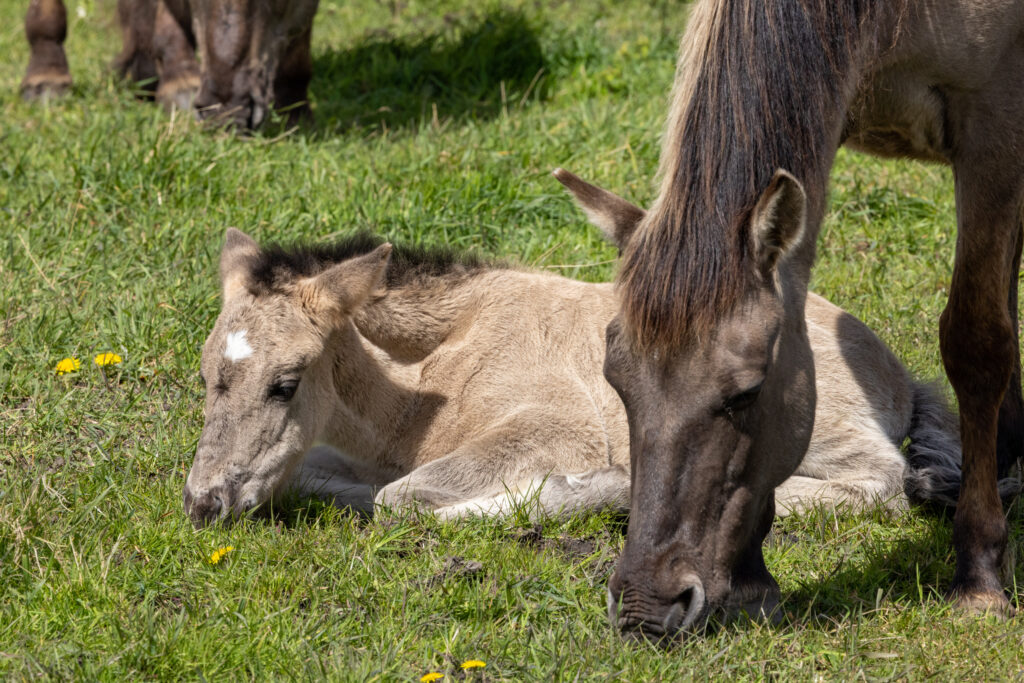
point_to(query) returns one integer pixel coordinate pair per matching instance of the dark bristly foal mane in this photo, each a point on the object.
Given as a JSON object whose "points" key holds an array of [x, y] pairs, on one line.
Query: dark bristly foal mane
{"points": [[277, 265], [757, 83]]}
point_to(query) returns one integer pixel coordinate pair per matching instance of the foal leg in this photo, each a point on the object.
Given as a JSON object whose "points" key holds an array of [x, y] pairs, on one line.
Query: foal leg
{"points": [[978, 350], [521, 451], [46, 27], [856, 469], [323, 474], [553, 495]]}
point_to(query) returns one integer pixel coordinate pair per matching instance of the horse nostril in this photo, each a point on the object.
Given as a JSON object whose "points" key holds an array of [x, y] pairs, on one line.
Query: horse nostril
{"points": [[687, 607]]}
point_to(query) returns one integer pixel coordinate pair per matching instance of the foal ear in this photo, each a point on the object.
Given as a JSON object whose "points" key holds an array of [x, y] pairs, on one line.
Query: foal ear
{"points": [[777, 222], [346, 286], [616, 217], [235, 256]]}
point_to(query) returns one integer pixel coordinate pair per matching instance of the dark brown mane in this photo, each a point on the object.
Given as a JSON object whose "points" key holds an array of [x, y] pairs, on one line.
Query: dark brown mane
{"points": [[759, 87], [278, 265]]}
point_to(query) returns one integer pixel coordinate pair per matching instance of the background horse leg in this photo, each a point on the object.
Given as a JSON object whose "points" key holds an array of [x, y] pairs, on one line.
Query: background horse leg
{"points": [[158, 50], [136, 62], [174, 47], [46, 27], [291, 84], [979, 351]]}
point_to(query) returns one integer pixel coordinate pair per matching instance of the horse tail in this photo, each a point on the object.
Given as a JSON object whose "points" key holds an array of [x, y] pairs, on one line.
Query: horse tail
{"points": [[934, 455]]}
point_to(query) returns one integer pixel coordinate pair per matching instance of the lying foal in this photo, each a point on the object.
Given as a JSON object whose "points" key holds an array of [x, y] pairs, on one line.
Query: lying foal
{"points": [[371, 375]]}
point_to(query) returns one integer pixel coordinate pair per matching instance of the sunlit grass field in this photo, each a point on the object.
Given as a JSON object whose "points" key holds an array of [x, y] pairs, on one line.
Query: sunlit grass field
{"points": [[437, 123]]}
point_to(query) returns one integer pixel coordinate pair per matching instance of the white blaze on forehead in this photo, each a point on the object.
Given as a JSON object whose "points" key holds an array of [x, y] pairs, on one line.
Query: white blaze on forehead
{"points": [[236, 348]]}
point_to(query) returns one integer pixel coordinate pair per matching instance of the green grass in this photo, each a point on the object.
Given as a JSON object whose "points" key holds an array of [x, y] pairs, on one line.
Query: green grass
{"points": [[437, 123]]}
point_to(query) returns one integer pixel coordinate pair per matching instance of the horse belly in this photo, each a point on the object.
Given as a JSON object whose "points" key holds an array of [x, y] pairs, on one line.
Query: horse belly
{"points": [[902, 115]]}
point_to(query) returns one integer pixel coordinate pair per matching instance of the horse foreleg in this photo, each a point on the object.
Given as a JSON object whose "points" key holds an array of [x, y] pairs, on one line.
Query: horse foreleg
{"points": [[978, 350], [46, 27], [1010, 436]]}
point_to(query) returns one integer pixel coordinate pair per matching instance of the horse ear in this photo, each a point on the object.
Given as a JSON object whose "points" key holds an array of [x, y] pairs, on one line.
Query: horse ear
{"points": [[235, 256], [616, 217], [777, 222], [346, 286]]}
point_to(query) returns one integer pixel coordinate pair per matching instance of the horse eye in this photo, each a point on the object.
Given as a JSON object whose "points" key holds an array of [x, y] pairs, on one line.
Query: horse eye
{"points": [[283, 390], [742, 400]]}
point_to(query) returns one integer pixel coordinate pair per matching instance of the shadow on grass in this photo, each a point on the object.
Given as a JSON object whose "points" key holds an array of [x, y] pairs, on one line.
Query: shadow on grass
{"points": [[912, 570], [471, 68]]}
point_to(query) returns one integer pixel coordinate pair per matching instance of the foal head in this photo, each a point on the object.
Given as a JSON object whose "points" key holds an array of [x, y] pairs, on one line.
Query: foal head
{"points": [[268, 368], [711, 462]]}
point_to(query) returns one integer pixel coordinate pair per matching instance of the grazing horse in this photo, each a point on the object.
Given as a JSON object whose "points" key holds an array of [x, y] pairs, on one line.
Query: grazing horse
{"points": [[254, 55], [710, 350], [467, 388]]}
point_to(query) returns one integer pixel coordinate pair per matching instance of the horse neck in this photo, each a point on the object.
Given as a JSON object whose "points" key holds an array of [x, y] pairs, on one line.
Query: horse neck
{"points": [[410, 322], [760, 86]]}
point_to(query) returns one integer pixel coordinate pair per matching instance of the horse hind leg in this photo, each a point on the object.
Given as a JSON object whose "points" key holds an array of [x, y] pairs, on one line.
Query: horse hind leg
{"points": [[46, 27]]}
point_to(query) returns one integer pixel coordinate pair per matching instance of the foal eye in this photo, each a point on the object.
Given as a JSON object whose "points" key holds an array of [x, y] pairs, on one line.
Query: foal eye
{"points": [[742, 400], [283, 390]]}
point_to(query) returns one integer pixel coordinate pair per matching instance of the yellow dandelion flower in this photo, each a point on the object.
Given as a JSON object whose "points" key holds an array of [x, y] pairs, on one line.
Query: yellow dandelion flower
{"points": [[67, 365], [473, 664], [102, 359], [431, 677], [219, 553]]}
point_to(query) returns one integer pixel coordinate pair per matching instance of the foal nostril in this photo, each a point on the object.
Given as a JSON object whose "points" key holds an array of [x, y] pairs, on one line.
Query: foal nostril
{"points": [[206, 507]]}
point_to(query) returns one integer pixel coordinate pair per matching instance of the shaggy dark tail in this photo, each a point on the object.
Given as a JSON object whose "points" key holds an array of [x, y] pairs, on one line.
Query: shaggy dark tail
{"points": [[934, 457]]}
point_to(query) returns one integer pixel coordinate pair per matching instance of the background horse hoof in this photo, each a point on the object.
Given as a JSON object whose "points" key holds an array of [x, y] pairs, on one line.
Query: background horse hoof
{"points": [[179, 93], [988, 603], [45, 85]]}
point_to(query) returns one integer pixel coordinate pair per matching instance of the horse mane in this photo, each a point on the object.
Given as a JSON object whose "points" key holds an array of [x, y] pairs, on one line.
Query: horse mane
{"points": [[758, 87], [278, 265]]}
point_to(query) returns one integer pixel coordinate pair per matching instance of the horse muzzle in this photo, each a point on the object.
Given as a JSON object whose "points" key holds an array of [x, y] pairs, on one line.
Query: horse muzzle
{"points": [[640, 614]]}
